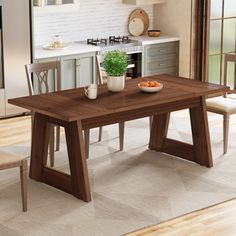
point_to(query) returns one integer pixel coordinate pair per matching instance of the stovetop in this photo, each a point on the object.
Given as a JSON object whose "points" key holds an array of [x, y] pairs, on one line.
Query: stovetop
{"points": [[114, 43]]}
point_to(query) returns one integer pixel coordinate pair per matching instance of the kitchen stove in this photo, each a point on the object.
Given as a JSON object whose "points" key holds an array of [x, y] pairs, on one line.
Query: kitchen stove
{"points": [[133, 48], [122, 43]]}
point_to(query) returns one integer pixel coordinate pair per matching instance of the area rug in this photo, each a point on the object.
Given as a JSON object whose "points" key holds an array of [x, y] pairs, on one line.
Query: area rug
{"points": [[131, 189]]}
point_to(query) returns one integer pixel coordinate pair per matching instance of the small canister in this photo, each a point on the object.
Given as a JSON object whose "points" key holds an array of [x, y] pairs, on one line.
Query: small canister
{"points": [[57, 41]]}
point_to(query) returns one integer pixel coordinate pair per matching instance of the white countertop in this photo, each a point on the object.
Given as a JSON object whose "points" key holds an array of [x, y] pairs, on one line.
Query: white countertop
{"points": [[146, 40], [73, 49]]}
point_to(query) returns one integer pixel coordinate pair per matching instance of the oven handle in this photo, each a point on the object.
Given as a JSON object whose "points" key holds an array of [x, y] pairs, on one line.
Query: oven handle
{"points": [[130, 66], [133, 52]]}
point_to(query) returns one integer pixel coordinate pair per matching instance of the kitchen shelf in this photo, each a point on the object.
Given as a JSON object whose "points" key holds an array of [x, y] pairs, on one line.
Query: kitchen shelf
{"points": [[143, 2]]}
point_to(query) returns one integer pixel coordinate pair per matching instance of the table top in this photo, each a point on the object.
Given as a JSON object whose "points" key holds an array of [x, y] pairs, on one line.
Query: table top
{"points": [[72, 104]]}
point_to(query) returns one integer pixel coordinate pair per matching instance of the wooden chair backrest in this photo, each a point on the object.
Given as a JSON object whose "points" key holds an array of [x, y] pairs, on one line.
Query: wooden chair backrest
{"points": [[229, 58], [41, 70], [99, 61]]}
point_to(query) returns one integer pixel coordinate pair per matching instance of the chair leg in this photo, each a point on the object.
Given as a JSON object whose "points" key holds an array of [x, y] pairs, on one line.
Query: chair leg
{"points": [[51, 145], [100, 134], [57, 138], [23, 179], [226, 131], [121, 135], [86, 141]]}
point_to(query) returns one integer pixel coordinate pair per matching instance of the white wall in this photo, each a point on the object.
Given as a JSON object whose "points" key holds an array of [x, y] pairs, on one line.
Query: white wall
{"points": [[174, 18], [99, 18]]}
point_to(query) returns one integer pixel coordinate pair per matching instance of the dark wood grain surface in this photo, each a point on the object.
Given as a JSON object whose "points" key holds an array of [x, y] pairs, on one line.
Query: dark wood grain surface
{"points": [[75, 112], [70, 105]]}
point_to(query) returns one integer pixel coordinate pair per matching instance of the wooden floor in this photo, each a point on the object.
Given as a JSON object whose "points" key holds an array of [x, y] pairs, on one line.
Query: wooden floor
{"points": [[218, 220], [15, 130]]}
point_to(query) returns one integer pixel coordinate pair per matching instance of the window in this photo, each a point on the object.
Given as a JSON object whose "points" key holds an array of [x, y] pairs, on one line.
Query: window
{"points": [[222, 39]]}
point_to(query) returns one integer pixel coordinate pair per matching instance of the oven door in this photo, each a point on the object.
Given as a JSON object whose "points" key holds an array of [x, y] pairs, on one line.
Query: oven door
{"points": [[134, 69]]}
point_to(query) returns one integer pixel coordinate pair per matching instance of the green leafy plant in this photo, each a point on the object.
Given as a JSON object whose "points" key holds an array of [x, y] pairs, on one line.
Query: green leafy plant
{"points": [[115, 63]]}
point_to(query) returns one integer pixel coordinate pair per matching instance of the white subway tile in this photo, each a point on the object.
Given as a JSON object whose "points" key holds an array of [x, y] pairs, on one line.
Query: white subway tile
{"points": [[93, 19]]}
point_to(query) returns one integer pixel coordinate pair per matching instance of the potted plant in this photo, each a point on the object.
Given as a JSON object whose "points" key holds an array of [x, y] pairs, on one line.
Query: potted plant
{"points": [[115, 64]]}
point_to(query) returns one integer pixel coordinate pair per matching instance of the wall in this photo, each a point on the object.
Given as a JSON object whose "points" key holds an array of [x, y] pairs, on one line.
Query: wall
{"points": [[174, 18], [99, 18]]}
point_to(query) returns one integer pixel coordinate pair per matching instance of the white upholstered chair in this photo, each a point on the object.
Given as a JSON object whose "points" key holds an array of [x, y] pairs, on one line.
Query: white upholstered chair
{"points": [[10, 160], [226, 104]]}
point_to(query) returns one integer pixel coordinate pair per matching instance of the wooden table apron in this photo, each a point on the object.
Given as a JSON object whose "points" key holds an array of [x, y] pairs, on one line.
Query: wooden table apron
{"points": [[77, 183]]}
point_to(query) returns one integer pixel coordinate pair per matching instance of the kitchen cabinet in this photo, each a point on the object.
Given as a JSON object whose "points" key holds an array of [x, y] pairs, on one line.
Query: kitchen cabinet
{"points": [[160, 58], [142, 2], [42, 3], [51, 6], [76, 70]]}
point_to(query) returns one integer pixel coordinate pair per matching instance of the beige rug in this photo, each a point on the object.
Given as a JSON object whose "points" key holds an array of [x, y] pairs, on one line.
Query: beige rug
{"points": [[130, 189]]}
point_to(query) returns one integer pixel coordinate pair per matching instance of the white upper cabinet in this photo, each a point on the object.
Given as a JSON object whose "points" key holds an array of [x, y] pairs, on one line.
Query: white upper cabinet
{"points": [[55, 5], [143, 2], [42, 3]]}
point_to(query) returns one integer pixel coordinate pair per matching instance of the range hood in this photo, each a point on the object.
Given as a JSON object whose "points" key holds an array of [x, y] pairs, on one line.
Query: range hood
{"points": [[142, 2]]}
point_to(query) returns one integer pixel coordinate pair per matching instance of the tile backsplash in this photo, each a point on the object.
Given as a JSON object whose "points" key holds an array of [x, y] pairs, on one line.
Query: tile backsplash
{"points": [[92, 19]]}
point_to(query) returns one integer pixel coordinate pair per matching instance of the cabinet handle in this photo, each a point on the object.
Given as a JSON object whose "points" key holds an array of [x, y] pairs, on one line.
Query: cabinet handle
{"points": [[161, 64], [77, 62], [161, 50]]}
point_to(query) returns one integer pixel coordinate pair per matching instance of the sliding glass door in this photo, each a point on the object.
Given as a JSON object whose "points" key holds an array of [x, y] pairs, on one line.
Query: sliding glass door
{"points": [[222, 38]]}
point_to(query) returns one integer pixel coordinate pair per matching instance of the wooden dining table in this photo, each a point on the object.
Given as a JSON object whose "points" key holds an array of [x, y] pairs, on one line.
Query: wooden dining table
{"points": [[72, 110]]}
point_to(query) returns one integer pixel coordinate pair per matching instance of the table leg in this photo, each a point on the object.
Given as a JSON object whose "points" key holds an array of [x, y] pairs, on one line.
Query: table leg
{"points": [[39, 146], [77, 160], [77, 183], [200, 133], [199, 151], [159, 130]]}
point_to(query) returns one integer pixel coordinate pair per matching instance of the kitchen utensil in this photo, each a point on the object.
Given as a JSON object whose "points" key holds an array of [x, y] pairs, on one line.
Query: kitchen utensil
{"points": [[141, 14], [154, 33], [136, 27]]}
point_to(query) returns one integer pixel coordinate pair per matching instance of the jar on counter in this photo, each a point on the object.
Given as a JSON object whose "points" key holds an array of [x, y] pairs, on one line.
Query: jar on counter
{"points": [[57, 41]]}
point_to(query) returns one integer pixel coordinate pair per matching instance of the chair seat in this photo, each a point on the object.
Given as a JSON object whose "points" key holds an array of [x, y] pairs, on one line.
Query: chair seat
{"points": [[232, 95], [8, 158], [222, 104]]}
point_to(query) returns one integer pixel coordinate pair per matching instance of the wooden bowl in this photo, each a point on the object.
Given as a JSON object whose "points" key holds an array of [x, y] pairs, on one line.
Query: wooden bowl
{"points": [[154, 33]]}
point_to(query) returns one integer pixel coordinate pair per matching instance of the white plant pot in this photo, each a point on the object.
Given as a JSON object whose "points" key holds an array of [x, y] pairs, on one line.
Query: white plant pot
{"points": [[116, 83]]}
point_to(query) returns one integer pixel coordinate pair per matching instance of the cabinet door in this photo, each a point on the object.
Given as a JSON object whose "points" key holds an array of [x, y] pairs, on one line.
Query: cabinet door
{"points": [[68, 72], [161, 58], [85, 69], [77, 71]]}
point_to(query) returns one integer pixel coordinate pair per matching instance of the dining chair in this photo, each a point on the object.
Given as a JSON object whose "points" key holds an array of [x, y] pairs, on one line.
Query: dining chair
{"points": [[226, 104], [101, 80], [10, 160], [45, 77], [101, 75]]}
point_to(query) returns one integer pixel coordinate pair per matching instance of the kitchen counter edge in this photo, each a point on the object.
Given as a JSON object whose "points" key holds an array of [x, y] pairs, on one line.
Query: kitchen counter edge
{"points": [[146, 40], [73, 48]]}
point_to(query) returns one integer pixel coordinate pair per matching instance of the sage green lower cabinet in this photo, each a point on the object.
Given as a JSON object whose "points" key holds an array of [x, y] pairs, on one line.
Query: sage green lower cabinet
{"points": [[160, 58], [78, 71]]}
